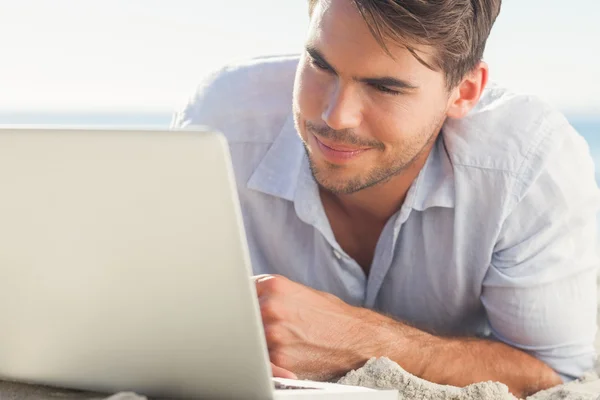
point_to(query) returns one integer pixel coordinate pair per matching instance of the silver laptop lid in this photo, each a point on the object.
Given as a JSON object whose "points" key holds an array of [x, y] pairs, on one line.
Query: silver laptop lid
{"points": [[124, 265]]}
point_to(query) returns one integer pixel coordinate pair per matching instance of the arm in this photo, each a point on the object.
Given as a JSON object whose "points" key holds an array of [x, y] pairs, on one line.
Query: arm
{"points": [[459, 361], [318, 336], [540, 290]]}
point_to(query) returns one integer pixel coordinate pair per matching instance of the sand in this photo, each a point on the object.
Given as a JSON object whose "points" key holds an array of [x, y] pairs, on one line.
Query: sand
{"points": [[21, 391], [382, 373]]}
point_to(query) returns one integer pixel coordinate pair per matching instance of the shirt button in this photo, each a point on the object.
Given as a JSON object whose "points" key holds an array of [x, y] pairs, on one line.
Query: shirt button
{"points": [[337, 254]]}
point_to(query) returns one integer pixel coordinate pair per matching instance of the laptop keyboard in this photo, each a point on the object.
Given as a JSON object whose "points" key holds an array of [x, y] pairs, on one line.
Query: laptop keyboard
{"points": [[281, 386]]}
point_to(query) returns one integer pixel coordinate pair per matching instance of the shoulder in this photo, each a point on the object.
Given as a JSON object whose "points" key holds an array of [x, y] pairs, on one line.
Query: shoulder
{"points": [[517, 136], [247, 101]]}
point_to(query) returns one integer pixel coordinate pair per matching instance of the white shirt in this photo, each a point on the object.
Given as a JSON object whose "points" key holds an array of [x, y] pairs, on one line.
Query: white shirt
{"points": [[496, 237]]}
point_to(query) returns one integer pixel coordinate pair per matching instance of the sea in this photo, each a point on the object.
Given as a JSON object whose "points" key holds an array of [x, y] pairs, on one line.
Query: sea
{"points": [[587, 126]]}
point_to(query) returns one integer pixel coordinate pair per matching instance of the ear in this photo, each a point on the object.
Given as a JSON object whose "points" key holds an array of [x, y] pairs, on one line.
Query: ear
{"points": [[466, 95]]}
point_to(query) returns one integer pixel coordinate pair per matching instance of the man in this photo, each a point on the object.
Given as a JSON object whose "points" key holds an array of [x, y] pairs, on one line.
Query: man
{"points": [[396, 206]]}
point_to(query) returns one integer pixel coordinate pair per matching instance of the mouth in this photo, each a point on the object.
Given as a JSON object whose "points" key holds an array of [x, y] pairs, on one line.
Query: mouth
{"points": [[338, 153]]}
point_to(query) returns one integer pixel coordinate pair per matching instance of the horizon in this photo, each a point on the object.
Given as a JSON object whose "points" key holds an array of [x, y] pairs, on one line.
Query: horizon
{"points": [[4, 112], [587, 122]]}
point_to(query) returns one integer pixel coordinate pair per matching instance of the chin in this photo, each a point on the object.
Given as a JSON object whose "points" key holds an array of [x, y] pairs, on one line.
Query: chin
{"points": [[334, 178]]}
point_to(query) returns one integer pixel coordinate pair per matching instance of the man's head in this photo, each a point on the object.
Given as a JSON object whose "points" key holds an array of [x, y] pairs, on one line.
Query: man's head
{"points": [[379, 78]]}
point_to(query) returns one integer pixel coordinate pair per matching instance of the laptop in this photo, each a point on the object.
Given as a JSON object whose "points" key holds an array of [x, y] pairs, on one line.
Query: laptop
{"points": [[124, 267]]}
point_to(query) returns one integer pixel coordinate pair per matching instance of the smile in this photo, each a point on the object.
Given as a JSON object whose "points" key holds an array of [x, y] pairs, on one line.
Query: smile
{"points": [[338, 153]]}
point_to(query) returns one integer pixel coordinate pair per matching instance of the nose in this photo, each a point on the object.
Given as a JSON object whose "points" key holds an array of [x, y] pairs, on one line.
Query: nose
{"points": [[343, 110]]}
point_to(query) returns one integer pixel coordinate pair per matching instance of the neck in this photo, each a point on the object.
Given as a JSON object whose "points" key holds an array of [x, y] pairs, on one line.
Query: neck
{"points": [[381, 201]]}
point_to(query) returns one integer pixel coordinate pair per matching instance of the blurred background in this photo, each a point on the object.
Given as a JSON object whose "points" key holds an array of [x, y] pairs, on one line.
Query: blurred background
{"points": [[133, 62]]}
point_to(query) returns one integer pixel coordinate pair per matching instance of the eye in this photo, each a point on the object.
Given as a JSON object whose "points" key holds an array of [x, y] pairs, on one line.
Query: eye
{"points": [[385, 89], [319, 64]]}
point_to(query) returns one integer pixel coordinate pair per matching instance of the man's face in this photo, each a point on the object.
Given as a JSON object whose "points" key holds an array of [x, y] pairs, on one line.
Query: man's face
{"points": [[362, 114]]}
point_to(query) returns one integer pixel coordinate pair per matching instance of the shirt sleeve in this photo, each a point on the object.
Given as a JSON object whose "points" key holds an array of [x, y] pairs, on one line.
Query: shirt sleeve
{"points": [[540, 289], [205, 106]]}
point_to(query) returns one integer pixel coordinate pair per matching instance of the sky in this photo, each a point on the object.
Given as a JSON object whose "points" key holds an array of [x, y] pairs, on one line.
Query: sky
{"points": [[147, 55]]}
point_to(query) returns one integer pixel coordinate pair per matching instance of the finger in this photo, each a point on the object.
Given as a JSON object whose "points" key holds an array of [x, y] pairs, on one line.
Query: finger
{"points": [[279, 372], [256, 278], [261, 284]]}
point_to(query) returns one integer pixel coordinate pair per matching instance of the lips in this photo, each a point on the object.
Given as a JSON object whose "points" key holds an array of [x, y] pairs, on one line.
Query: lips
{"points": [[338, 153], [339, 147]]}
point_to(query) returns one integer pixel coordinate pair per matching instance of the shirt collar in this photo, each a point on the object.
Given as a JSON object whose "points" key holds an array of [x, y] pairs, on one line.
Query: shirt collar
{"points": [[278, 172], [284, 169], [434, 186]]}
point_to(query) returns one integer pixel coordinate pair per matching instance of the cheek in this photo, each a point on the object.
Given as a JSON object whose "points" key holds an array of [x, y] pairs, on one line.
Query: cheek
{"points": [[389, 122], [405, 120]]}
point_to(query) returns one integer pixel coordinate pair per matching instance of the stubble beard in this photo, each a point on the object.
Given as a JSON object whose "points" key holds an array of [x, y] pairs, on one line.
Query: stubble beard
{"points": [[377, 175]]}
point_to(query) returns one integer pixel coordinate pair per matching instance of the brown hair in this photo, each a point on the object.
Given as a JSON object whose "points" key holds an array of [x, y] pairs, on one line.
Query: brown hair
{"points": [[456, 29]]}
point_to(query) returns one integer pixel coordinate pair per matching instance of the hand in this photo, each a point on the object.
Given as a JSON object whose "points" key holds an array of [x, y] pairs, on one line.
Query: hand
{"points": [[314, 334], [279, 372]]}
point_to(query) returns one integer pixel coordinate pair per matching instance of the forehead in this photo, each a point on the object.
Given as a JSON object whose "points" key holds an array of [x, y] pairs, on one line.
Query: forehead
{"points": [[339, 32]]}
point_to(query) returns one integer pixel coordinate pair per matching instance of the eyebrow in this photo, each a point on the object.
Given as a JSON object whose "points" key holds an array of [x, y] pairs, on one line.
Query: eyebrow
{"points": [[386, 81]]}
